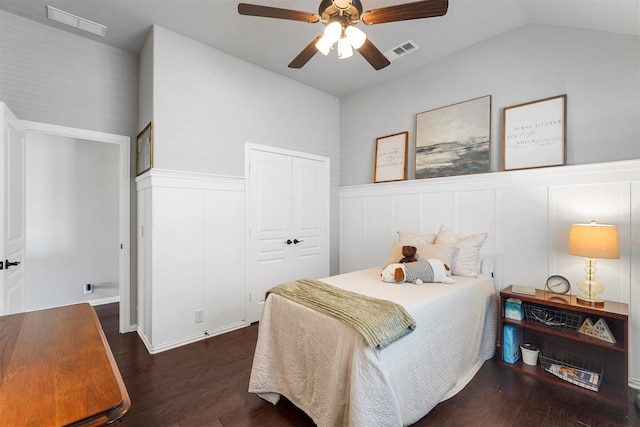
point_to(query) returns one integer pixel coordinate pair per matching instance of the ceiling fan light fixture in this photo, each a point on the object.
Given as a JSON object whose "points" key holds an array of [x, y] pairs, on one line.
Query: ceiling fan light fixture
{"points": [[344, 48], [324, 45], [332, 32], [356, 36], [338, 16]]}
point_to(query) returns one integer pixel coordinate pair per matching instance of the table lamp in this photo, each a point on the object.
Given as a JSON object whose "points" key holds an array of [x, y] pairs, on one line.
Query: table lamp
{"points": [[593, 241]]}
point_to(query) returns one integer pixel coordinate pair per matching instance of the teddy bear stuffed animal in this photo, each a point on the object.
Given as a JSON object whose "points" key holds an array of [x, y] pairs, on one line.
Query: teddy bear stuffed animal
{"points": [[419, 272], [409, 254]]}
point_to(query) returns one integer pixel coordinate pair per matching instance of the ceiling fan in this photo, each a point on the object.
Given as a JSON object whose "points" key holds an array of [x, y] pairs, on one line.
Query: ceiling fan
{"points": [[340, 18]]}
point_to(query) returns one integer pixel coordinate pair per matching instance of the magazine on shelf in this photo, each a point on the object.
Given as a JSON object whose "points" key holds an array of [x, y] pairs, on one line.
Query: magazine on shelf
{"points": [[581, 377], [526, 290]]}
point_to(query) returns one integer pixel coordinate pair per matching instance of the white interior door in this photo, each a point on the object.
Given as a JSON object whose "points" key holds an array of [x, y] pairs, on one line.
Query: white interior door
{"points": [[287, 217], [269, 219], [13, 213], [309, 186]]}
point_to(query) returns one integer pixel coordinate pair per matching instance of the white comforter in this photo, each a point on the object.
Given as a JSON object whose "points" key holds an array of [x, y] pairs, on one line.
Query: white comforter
{"points": [[326, 368]]}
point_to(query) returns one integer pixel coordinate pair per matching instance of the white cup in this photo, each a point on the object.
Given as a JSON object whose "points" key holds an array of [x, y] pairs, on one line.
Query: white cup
{"points": [[529, 354]]}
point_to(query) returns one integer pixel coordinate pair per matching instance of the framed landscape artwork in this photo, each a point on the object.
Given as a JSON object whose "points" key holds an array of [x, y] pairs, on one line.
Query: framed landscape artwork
{"points": [[391, 158], [534, 134], [144, 150], [454, 140]]}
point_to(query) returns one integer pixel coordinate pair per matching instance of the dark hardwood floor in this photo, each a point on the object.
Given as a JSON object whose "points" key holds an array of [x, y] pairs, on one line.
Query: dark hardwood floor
{"points": [[205, 384]]}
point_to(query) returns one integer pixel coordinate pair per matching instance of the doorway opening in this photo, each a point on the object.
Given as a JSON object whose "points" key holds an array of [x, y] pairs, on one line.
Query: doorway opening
{"points": [[85, 146]]}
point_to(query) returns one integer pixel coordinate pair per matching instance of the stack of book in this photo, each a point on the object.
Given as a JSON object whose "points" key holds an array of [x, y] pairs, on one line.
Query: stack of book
{"points": [[583, 378]]}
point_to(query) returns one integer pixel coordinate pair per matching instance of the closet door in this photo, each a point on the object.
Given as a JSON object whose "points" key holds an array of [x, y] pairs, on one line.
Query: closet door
{"points": [[309, 215], [287, 217], [269, 220]]}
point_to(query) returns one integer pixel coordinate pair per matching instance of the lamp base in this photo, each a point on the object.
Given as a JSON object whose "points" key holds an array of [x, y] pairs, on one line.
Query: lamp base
{"points": [[590, 289], [590, 300]]}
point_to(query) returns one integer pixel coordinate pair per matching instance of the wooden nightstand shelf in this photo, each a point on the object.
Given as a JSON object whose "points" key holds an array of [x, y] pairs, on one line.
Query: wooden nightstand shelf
{"points": [[613, 358]]}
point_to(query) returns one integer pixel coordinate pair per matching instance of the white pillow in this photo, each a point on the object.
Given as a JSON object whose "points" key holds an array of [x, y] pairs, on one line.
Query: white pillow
{"points": [[415, 239], [466, 253], [442, 252], [395, 254], [445, 235]]}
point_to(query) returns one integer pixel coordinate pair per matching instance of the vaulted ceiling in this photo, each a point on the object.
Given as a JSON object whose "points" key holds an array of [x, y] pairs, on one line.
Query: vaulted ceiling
{"points": [[273, 43]]}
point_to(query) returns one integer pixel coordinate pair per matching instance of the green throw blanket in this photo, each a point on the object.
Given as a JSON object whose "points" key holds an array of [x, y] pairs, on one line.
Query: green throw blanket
{"points": [[381, 322]]}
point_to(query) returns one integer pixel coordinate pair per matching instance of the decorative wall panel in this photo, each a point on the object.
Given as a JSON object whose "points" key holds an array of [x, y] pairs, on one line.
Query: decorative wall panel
{"points": [[527, 214]]}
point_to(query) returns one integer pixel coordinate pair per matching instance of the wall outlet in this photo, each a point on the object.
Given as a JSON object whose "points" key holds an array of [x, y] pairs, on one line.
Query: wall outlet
{"points": [[88, 288], [199, 318]]}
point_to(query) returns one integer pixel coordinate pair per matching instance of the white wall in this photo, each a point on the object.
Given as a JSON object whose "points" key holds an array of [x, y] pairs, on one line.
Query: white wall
{"points": [[600, 73], [72, 200], [52, 76], [206, 104]]}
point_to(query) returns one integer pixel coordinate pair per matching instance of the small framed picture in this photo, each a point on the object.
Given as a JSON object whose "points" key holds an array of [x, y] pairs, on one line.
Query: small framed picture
{"points": [[534, 134], [144, 150], [391, 158]]}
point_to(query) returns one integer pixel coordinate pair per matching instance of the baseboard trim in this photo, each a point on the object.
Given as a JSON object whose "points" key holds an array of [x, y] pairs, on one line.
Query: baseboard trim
{"points": [[188, 340], [104, 301]]}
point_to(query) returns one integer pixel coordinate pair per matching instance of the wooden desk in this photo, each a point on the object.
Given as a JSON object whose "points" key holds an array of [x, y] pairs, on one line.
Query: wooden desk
{"points": [[56, 369]]}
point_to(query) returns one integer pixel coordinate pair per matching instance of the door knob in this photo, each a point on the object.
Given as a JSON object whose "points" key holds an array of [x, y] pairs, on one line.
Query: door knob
{"points": [[296, 241], [8, 264]]}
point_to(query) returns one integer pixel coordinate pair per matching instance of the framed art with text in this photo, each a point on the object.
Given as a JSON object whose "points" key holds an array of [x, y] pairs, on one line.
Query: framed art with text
{"points": [[391, 158], [144, 150], [534, 134], [454, 140]]}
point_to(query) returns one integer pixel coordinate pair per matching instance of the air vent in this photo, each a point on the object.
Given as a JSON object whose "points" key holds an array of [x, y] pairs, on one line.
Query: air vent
{"points": [[401, 50], [76, 21]]}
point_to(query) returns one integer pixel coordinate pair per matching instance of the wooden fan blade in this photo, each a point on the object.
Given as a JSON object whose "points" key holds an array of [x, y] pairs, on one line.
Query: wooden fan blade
{"points": [[373, 55], [306, 54], [406, 11], [276, 12]]}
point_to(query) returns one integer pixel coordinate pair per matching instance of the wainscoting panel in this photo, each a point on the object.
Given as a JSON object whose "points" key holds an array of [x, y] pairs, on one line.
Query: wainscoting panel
{"points": [[352, 233], [378, 219], [435, 208], [527, 215], [474, 212], [224, 263], [191, 244], [522, 230], [406, 214]]}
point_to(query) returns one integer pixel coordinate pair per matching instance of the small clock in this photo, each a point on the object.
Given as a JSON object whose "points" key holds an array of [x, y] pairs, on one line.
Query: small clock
{"points": [[558, 285]]}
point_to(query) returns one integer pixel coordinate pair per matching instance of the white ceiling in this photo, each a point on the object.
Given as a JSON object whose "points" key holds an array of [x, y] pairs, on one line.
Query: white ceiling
{"points": [[273, 43]]}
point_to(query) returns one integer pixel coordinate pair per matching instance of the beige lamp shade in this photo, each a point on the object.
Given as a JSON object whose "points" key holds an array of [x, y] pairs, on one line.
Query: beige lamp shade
{"points": [[594, 241]]}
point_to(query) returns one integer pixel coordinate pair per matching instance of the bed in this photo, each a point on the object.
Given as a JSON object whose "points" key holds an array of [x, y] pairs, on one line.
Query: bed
{"points": [[326, 368]]}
